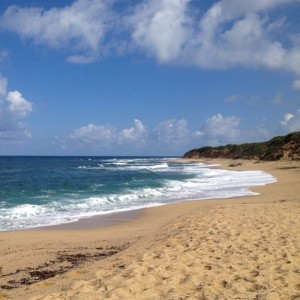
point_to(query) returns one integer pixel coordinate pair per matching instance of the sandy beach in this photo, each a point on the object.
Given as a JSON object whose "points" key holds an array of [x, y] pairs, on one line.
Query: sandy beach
{"points": [[240, 248]]}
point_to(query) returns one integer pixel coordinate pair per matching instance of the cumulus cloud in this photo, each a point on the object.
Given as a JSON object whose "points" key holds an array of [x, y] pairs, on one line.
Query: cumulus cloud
{"points": [[161, 27], [166, 133], [134, 134], [13, 109], [172, 132], [80, 26], [18, 106], [219, 129], [107, 135], [229, 33], [291, 122], [91, 133], [286, 119], [232, 33]]}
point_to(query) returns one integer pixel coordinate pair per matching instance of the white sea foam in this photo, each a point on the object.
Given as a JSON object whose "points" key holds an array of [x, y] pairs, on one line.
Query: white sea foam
{"points": [[148, 167], [26, 211], [92, 167], [160, 166], [203, 183], [120, 163]]}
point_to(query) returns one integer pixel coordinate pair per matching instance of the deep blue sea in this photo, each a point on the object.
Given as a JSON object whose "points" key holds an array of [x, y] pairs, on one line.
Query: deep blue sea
{"points": [[41, 191]]}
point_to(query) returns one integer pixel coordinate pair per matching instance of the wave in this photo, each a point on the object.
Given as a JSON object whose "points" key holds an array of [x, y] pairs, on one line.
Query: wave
{"points": [[196, 181], [124, 166], [161, 166], [92, 167], [120, 163], [32, 216], [147, 167]]}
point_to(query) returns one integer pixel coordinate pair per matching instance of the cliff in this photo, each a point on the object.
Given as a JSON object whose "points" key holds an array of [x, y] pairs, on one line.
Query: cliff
{"points": [[279, 148]]}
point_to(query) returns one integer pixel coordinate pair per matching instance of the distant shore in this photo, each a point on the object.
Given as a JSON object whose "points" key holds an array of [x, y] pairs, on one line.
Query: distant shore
{"points": [[246, 246]]}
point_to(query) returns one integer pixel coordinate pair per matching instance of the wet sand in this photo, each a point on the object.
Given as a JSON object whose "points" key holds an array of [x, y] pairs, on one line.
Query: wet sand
{"points": [[239, 248]]}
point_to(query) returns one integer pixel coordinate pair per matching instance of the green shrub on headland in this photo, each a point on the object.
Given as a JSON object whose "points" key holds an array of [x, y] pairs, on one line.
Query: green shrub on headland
{"points": [[279, 148]]}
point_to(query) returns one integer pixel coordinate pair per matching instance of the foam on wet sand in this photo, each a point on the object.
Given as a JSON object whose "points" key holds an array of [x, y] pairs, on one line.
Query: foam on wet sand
{"points": [[245, 247]]}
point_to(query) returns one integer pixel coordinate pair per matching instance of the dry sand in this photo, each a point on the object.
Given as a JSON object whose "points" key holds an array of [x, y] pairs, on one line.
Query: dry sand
{"points": [[241, 248]]}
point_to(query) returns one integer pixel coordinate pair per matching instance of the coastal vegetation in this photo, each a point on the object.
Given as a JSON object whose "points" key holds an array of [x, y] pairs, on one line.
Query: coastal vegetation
{"points": [[278, 148]]}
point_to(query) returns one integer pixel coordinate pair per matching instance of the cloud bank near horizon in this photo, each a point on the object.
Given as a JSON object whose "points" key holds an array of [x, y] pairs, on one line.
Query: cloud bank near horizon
{"points": [[172, 133]]}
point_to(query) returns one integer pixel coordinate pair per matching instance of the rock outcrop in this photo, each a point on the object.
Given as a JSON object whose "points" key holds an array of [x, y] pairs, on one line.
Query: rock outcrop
{"points": [[279, 148]]}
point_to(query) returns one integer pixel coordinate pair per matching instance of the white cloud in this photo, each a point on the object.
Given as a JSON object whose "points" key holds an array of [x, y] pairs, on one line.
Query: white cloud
{"points": [[199, 133], [173, 135], [225, 10], [161, 27], [286, 119], [135, 134], [219, 129], [296, 84], [80, 26], [18, 105], [172, 132], [169, 132], [246, 42], [230, 33], [91, 133], [13, 109], [107, 135], [291, 122]]}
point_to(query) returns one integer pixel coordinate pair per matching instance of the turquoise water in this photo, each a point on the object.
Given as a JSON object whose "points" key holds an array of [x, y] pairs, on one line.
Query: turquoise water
{"points": [[40, 191]]}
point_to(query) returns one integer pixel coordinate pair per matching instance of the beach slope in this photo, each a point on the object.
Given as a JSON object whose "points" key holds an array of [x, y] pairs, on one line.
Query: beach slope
{"points": [[241, 248]]}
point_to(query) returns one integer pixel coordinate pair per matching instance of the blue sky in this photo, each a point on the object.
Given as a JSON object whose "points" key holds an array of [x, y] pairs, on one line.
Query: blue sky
{"points": [[159, 77]]}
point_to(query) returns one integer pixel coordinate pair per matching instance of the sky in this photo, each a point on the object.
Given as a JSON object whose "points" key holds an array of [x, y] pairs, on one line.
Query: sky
{"points": [[146, 77]]}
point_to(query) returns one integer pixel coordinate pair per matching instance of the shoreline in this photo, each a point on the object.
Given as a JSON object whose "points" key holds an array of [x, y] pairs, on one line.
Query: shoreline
{"points": [[125, 243], [113, 218], [99, 221]]}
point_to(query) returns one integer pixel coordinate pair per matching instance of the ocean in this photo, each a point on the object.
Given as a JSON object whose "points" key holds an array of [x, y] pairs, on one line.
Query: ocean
{"points": [[43, 191]]}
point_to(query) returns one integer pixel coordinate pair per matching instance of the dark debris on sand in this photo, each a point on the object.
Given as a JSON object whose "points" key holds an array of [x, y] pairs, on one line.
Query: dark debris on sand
{"points": [[63, 263]]}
